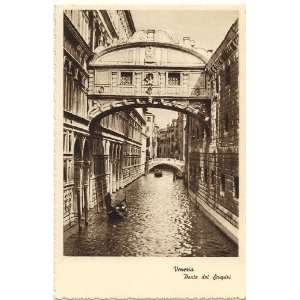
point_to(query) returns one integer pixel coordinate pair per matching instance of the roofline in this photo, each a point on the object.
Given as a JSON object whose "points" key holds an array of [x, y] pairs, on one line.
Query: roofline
{"points": [[141, 44], [68, 25], [109, 23], [140, 116], [213, 57], [130, 20]]}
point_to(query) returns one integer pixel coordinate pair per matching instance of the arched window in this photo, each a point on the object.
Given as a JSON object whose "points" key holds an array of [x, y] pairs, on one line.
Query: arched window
{"points": [[226, 123]]}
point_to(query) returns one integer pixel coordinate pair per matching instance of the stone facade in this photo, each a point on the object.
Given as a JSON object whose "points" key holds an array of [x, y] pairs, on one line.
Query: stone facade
{"points": [[148, 70], [181, 126], [117, 153], [163, 143], [213, 147], [148, 64], [151, 133], [171, 140], [85, 33], [154, 140]]}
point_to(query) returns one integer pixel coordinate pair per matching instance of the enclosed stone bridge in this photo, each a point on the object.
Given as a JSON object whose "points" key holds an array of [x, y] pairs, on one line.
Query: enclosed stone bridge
{"points": [[171, 162], [150, 69]]}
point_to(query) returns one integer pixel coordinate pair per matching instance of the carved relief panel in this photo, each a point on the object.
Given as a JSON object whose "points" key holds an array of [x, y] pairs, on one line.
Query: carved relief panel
{"points": [[145, 55], [150, 55], [148, 82]]}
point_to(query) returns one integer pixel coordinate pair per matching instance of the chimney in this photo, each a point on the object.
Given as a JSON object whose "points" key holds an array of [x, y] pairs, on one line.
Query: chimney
{"points": [[150, 35], [193, 43], [187, 41]]}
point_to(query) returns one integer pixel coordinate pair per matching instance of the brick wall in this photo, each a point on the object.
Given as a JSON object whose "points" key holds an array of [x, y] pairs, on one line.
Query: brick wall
{"points": [[214, 151]]}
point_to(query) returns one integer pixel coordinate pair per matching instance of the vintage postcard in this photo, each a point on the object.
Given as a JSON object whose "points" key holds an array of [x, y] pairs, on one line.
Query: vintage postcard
{"points": [[149, 152]]}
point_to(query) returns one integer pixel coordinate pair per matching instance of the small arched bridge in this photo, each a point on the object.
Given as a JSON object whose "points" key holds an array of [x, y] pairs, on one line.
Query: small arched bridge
{"points": [[174, 163]]}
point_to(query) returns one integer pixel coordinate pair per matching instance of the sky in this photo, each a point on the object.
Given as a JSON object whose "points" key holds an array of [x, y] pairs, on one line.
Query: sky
{"points": [[207, 28], [163, 116]]}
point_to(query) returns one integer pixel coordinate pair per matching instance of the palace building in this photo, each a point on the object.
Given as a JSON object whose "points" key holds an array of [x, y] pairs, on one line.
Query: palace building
{"points": [[171, 140], [213, 148], [151, 133], [91, 162]]}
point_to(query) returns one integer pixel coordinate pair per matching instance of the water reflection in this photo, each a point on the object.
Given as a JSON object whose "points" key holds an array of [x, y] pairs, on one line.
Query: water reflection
{"points": [[161, 222]]}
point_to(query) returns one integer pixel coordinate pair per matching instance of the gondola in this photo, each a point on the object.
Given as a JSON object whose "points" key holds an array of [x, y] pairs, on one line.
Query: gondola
{"points": [[157, 173], [118, 210]]}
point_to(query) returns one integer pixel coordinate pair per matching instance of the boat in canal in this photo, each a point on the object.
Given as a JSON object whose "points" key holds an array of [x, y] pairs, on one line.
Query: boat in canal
{"points": [[157, 173], [179, 175], [117, 209]]}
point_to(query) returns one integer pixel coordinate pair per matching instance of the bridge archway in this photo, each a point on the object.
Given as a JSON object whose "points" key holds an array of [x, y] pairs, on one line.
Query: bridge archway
{"points": [[167, 165], [149, 70], [199, 110]]}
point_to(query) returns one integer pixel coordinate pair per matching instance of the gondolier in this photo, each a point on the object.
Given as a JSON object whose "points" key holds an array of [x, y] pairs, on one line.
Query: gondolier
{"points": [[116, 205]]}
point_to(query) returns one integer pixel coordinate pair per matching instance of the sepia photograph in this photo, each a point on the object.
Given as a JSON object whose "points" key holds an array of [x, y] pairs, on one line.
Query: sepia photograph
{"points": [[147, 136], [151, 132]]}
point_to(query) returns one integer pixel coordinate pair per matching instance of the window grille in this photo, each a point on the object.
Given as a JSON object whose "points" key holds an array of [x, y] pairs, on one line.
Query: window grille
{"points": [[126, 78], [174, 78]]}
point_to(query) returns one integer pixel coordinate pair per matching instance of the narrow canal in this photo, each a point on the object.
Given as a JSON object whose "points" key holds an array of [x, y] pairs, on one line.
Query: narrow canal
{"points": [[161, 221]]}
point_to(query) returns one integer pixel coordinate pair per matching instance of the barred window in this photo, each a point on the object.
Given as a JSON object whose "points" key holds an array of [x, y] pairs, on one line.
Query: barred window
{"points": [[126, 78], [226, 123], [174, 78]]}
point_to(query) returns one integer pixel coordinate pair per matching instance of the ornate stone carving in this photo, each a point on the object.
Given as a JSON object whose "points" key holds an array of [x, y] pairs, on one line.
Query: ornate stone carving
{"points": [[197, 109], [149, 83], [149, 55]]}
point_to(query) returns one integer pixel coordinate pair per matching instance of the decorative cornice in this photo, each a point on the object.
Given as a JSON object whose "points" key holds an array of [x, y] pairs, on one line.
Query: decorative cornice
{"points": [[130, 20], [147, 44], [72, 29], [227, 46], [76, 62], [173, 98], [100, 109], [121, 135], [78, 118], [109, 24]]}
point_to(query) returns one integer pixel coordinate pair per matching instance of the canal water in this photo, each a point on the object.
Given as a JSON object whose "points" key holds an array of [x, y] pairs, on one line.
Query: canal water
{"points": [[161, 221]]}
